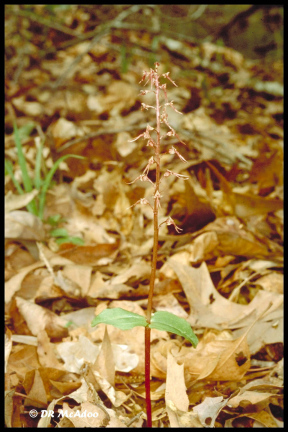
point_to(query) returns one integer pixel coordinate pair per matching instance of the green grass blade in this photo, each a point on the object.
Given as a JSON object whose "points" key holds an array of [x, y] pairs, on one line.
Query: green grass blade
{"points": [[32, 208], [9, 169], [37, 175], [22, 161]]}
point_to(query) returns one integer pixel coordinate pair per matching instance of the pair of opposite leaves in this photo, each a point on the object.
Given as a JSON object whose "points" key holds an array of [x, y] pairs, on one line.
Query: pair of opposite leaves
{"points": [[160, 320]]}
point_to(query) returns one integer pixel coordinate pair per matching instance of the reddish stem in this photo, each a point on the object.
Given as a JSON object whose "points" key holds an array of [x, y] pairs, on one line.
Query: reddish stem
{"points": [[147, 376], [155, 80]]}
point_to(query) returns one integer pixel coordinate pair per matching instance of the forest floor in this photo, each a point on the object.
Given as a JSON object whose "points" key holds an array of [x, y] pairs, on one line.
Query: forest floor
{"points": [[71, 92]]}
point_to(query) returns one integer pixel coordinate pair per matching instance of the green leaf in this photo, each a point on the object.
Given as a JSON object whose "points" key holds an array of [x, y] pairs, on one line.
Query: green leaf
{"points": [[54, 220], [37, 172], [69, 323], [77, 241], [72, 240], [162, 320], [120, 318], [59, 232]]}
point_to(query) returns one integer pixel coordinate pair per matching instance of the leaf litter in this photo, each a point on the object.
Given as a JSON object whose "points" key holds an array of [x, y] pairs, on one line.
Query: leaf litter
{"points": [[223, 273]]}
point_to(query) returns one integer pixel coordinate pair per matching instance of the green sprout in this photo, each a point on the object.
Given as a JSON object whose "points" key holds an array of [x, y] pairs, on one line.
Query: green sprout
{"points": [[36, 206]]}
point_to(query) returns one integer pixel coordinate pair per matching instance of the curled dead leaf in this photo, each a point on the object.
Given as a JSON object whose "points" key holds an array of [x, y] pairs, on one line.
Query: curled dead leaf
{"points": [[23, 225], [39, 318]]}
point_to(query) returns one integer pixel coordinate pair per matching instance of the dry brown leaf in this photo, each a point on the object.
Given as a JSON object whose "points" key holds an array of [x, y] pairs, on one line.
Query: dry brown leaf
{"points": [[230, 359], [64, 388], [250, 205], [215, 358], [59, 200], [83, 393], [198, 212], [175, 389], [46, 353], [76, 353], [203, 246], [210, 309], [244, 205], [209, 409], [120, 95], [111, 291], [265, 333], [54, 375], [248, 398], [121, 145], [234, 239], [39, 318], [79, 274], [63, 130], [138, 270], [23, 360], [97, 286], [267, 169], [90, 255], [263, 419], [115, 422], [23, 225], [67, 285], [168, 303], [28, 108], [272, 282], [117, 397], [36, 394], [184, 419], [158, 367], [226, 236], [14, 283], [125, 361], [15, 202], [104, 363], [93, 231], [47, 290]]}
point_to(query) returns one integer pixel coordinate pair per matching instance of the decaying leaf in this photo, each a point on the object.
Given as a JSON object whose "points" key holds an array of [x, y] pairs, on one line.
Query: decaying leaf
{"points": [[209, 409], [16, 202], [23, 225], [105, 363], [39, 318], [175, 389]]}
